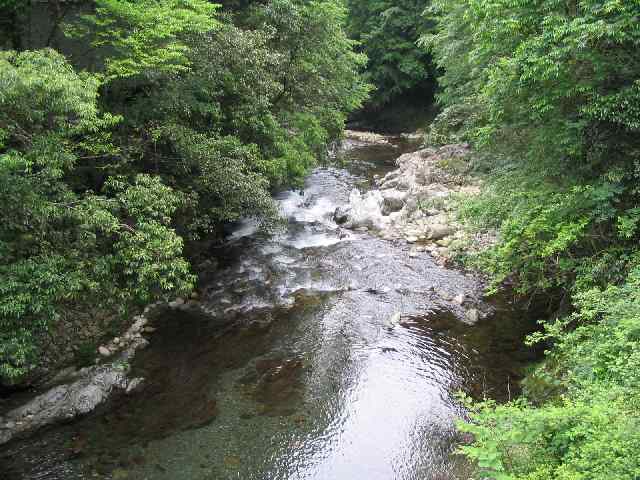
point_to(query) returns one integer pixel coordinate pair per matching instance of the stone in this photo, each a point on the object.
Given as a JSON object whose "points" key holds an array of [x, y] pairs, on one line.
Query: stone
{"points": [[472, 316], [395, 319], [411, 204], [459, 299], [104, 351], [445, 295], [149, 329], [178, 302], [67, 401], [445, 242], [61, 376], [232, 461], [412, 239], [438, 232], [366, 137], [134, 385], [341, 215], [393, 201], [119, 474]]}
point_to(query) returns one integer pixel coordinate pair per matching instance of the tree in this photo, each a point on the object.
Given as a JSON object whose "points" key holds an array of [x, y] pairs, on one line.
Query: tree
{"points": [[61, 241], [548, 93], [144, 36], [388, 32]]}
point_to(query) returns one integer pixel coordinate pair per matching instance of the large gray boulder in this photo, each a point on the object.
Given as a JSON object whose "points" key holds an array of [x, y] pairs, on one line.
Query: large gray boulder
{"points": [[438, 232], [393, 200], [68, 401]]}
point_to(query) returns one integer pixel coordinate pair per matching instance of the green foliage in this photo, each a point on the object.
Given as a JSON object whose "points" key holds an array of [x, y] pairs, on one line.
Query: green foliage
{"points": [[319, 72], [254, 112], [387, 32], [544, 85], [11, 12], [144, 36], [60, 243], [224, 180], [548, 94], [592, 430], [548, 232]]}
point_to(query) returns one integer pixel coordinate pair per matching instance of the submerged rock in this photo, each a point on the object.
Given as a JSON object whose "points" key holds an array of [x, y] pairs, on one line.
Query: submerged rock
{"points": [[275, 385], [472, 316], [395, 319]]}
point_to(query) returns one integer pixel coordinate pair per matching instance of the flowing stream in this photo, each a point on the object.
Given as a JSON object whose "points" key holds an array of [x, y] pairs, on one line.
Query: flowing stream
{"points": [[321, 354]]}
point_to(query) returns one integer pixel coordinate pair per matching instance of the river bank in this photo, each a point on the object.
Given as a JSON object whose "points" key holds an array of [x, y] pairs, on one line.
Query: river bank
{"points": [[417, 201], [290, 333]]}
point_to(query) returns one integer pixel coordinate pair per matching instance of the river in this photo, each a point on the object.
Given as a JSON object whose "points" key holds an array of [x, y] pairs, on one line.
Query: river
{"points": [[320, 354]]}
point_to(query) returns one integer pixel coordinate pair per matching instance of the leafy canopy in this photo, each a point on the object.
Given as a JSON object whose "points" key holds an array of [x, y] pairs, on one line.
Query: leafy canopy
{"points": [[548, 92], [63, 244], [144, 36]]}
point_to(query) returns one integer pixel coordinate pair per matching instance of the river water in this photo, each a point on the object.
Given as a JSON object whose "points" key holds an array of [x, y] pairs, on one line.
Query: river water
{"points": [[320, 354]]}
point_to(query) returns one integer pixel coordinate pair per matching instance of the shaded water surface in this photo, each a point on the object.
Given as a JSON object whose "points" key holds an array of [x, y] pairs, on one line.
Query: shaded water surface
{"points": [[321, 354]]}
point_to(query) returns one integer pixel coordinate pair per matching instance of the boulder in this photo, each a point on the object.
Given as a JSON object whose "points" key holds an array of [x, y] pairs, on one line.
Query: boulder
{"points": [[393, 201], [438, 231], [341, 215], [178, 302], [367, 137], [64, 402], [472, 316]]}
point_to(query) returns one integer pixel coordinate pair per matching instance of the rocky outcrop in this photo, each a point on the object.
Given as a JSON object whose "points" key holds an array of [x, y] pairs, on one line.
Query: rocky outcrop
{"points": [[414, 202], [80, 392]]}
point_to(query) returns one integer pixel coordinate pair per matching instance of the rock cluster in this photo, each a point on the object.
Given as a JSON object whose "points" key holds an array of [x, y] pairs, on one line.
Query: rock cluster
{"points": [[367, 137], [413, 202], [80, 391], [75, 392]]}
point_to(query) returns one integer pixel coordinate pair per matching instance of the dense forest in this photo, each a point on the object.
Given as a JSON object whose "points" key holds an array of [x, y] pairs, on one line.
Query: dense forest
{"points": [[549, 95], [132, 130]]}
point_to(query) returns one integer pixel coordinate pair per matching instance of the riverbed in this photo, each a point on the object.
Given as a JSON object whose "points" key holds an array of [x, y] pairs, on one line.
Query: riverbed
{"points": [[313, 353]]}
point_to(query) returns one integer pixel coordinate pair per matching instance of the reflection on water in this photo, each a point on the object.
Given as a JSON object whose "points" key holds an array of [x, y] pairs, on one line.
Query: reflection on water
{"points": [[320, 354]]}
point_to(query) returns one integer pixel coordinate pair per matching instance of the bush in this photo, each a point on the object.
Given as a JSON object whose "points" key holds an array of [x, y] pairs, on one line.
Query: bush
{"points": [[591, 430]]}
